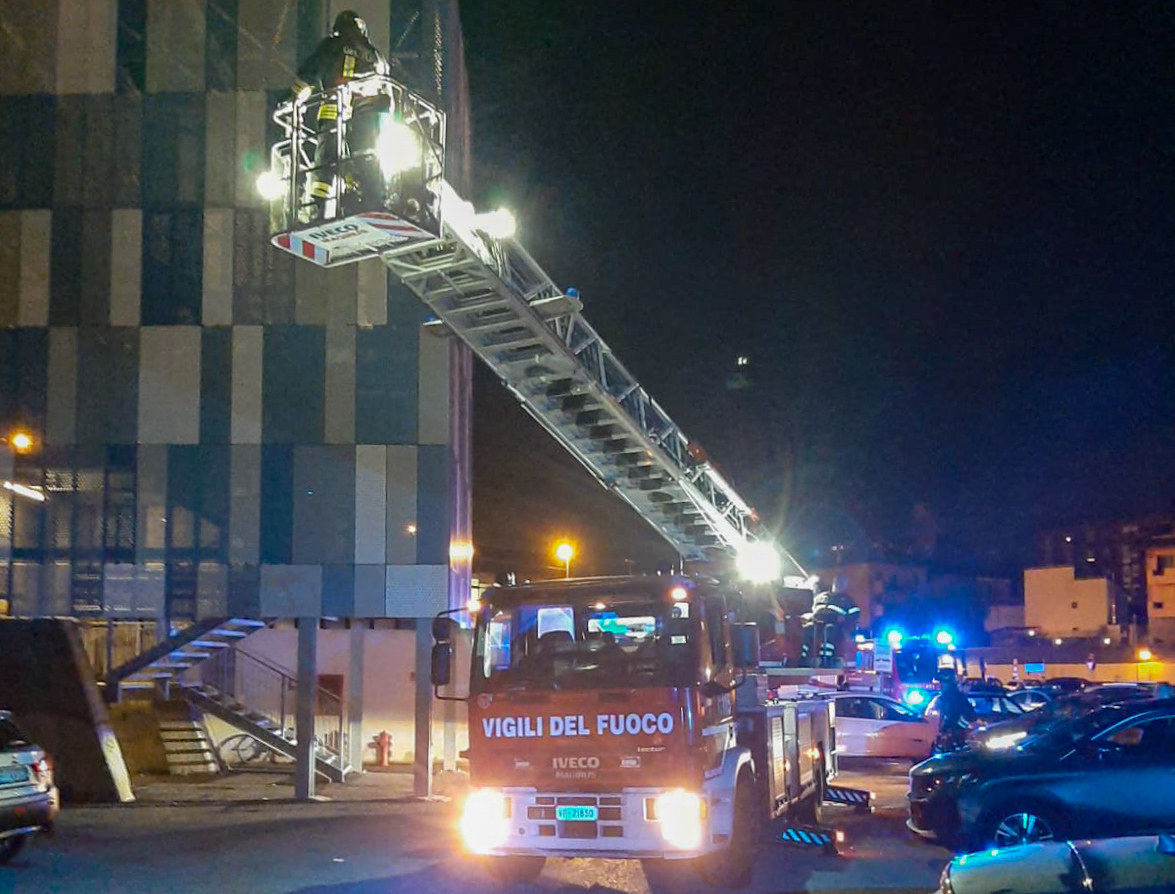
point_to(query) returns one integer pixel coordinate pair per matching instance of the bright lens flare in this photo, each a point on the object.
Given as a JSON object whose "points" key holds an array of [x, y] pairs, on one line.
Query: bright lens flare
{"points": [[270, 186], [680, 814], [484, 820], [399, 148], [499, 224], [759, 563]]}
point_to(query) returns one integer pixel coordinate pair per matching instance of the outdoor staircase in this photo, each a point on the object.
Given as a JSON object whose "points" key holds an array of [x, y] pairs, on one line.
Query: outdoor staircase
{"points": [[269, 731], [203, 665], [162, 664], [188, 748]]}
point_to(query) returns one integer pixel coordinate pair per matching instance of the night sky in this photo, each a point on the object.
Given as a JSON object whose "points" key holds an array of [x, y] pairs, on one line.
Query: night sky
{"points": [[942, 233]]}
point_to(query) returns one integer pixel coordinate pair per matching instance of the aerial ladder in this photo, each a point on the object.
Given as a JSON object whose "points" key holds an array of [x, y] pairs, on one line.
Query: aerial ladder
{"points": [[391, 201]]}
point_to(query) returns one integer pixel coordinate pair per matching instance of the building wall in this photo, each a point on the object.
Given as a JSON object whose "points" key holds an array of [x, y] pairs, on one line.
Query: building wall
{"points": [[1002, 617], [221, 429], [871, 583], [1160, 591], [1059, 604]]}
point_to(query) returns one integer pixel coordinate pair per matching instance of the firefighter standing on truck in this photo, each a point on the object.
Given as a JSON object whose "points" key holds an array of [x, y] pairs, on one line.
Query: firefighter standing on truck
{"points": [[343, 56]]}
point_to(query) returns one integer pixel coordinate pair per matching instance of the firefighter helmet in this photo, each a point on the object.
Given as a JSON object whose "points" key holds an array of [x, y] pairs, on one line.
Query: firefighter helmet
{"points": [[349, 22]]}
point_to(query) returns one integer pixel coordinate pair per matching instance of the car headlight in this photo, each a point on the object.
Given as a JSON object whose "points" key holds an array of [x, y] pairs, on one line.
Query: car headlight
{"points": [[1007, 740], [485, 820], [681, 815]]}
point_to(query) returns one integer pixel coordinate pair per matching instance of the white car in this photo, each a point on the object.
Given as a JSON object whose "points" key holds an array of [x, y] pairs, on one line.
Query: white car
{"points": [[1137, 865], [28, 797], [1030, 699], [879, 726]]}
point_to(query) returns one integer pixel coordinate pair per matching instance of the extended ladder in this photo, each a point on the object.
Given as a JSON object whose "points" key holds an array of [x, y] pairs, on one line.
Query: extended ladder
{"points": [[493, 296]]}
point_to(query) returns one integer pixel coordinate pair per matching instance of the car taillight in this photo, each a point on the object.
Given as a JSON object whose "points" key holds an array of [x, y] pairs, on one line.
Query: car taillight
{"points": [[44, 771]]}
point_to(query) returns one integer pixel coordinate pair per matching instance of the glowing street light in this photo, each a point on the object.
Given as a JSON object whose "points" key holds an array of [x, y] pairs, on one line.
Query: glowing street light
{"points": [[21, 442], [1144, 655], [565, 552]]}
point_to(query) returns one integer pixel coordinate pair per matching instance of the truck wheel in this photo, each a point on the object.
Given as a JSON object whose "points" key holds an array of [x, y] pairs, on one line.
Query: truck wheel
{"points": [[10, 847], [514, 870], [811, 809], [732, 867]]}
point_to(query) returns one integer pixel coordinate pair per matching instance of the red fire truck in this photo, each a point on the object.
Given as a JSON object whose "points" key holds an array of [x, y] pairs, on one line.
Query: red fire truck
{"points": [[626, 718]]}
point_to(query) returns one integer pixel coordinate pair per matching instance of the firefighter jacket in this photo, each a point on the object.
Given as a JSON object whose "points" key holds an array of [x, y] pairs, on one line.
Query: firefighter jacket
{"points": [[335, 61]]}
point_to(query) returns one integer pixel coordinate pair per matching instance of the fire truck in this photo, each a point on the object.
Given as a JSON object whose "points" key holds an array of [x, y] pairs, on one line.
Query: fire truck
{"points": [[621, 718], [905, 668], [627, 718]]}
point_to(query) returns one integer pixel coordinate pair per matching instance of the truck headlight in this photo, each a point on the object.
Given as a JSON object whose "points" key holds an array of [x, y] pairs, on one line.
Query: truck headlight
{"points": [[484, 821], [681, 815]]}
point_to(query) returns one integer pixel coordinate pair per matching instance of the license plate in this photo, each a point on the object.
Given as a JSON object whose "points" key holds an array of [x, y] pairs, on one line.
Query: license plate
{"points": [[569, 814], [20, 774]]}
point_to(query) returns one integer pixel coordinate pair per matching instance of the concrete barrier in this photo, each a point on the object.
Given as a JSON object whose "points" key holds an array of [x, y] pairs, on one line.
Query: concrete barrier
{"points": [[47, 682]]}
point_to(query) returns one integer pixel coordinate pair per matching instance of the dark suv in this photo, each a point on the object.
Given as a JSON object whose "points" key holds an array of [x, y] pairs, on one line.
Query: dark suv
{"points": [[28, 797], [1109, 772]]}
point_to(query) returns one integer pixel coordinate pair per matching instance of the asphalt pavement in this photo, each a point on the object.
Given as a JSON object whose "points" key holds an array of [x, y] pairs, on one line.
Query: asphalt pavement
{"points": [[245, 834]]}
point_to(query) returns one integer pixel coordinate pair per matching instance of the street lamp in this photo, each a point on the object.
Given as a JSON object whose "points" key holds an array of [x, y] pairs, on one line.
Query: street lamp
{"points": [[1144, 655], [22, 442], [564, 552]]}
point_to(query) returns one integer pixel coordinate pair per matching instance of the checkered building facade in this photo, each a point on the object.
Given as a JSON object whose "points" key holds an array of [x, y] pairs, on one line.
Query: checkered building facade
{"points": [[221, 429]]}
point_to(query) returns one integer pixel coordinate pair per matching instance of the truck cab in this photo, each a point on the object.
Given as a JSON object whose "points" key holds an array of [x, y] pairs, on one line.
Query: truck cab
{"points": [[621, 717]]}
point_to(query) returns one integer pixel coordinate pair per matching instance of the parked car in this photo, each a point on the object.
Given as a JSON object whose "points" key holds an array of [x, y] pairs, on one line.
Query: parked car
{"points": [[990, 705], [1105, 866], [1105, 773], [879, 726], [29, 801], [1003, 733], [1030, 699], [1063, 685]]}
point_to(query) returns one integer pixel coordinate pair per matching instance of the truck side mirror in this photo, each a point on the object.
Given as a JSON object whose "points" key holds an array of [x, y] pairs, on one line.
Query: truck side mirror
{"points": [[441, 671], [744, 644], [443, 629]]}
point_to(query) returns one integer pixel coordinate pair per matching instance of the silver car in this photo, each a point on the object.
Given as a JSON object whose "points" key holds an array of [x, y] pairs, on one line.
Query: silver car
{"points": [[1137, 864], [29, 801]]}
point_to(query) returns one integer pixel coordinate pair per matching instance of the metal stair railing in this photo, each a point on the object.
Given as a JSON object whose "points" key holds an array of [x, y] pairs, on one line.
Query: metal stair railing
{"points": [[264, 694], [157, 652]]}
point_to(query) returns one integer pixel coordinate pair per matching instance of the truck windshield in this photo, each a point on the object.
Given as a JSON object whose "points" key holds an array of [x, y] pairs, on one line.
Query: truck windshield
{"points": [[554, 645]]}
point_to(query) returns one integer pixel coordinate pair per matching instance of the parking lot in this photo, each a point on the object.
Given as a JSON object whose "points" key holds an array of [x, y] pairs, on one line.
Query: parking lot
{"points": [[243, 835]]}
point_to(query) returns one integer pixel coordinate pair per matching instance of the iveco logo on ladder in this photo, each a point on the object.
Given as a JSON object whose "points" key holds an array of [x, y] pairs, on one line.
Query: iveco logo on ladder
{"points": [[329, 232]]}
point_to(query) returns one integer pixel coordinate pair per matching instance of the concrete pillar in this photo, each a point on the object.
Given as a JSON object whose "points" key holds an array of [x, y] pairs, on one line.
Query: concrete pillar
{"points": [[356, 745], [422, 768], [304, 712]]}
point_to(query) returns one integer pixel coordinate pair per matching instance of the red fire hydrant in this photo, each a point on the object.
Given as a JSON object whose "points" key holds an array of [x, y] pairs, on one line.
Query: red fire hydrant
{"points": [[383, 747]]}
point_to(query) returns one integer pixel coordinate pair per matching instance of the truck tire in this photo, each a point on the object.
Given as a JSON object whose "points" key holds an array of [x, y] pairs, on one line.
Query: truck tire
{"points": [[514, 870], [811, 809], [732, 867]]}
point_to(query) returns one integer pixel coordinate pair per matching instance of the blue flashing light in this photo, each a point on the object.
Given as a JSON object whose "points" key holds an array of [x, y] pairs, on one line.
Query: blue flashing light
{"points": [[894, 638], [944, 637], [914, 698]]}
